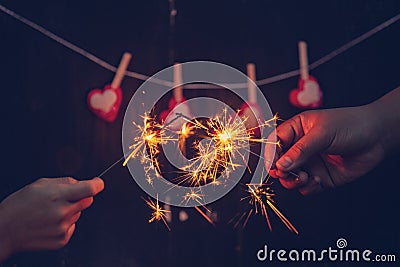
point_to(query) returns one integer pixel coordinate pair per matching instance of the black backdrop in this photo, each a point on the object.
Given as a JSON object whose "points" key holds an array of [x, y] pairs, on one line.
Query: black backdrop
{"points": [[49, 132]]}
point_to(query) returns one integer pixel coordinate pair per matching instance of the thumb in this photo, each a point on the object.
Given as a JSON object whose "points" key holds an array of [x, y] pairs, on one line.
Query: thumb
{"points": [[83, 189], [311, 143]]}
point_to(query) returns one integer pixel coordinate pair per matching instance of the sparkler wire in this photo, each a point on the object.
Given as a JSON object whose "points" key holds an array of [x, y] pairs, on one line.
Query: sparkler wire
{"points": [[111, 166]]}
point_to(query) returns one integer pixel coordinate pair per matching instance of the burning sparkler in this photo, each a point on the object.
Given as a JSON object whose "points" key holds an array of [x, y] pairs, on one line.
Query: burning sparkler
{"points": [[215, 144], [149, 138], [197, 196], [146, 145], [261, 197], [158, 213], [227, 139]]}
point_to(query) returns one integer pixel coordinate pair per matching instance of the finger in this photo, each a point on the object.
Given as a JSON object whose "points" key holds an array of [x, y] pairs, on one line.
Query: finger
{"points": [[271, 151], [68, 235], [49, 243], [286, 175], [80, 205], [298, 154], [290, 131], [71, 230], [301, 180], [283, 175], [60, 241], [74, 218], [312, 187], [83, 189], [272, 173], [317, 167], [65, 180], [270, 156]]}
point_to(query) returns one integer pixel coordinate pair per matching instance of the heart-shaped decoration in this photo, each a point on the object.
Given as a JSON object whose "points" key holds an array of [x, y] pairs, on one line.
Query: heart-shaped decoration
{"points": [[169, 116], [105, 103], [251, 113], [308, 95]]}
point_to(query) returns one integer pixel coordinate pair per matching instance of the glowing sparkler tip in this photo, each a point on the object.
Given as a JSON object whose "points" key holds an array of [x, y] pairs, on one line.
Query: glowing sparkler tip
{"points": [[149, 137], [185, 129], [158, 214], [261, 197], [224, 136]]}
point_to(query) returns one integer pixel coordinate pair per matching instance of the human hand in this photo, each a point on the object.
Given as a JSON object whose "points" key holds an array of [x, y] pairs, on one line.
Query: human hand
{"points": [[326, 148], [42, 215]]}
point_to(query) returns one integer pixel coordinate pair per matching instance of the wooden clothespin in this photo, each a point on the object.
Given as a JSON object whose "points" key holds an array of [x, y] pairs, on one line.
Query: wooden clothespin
{"points": [[250, 111], [105, 103], [176, 104], [178, 93], [119, 75], [303, 59], [251, 87], [308, 94]]}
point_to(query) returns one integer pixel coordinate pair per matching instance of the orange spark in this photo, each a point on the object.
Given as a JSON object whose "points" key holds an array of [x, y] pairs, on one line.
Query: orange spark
{"points": [[158, 213]]}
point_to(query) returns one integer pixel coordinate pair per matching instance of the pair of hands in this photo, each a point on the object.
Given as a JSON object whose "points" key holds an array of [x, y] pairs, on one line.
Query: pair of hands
{"points": [[42, 215], [325, 148]]}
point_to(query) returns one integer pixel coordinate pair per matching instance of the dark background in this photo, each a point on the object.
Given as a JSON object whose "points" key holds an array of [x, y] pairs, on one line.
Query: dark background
{"points": [[48, 130]]}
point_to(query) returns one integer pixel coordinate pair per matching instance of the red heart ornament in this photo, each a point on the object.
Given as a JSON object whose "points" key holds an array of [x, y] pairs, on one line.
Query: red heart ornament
{"points": [[162, 117], [105, 103], [174, 107], [308, 95], [253, 115]]}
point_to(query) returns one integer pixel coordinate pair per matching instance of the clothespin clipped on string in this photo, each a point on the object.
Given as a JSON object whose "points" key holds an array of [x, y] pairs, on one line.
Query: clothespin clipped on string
{"points": [[308, 94], [177, 104], [250, 111], [105, 103]]}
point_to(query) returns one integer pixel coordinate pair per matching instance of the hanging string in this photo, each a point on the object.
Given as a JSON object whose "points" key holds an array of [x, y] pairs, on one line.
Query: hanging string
{"points": [[354, 42], [332, 54], [143, 77], [79, 50]]}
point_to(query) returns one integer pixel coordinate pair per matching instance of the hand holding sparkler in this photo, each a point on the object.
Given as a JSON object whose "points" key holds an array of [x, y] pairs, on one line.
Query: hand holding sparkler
{"points": [[42, 215], [335, 146]]}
